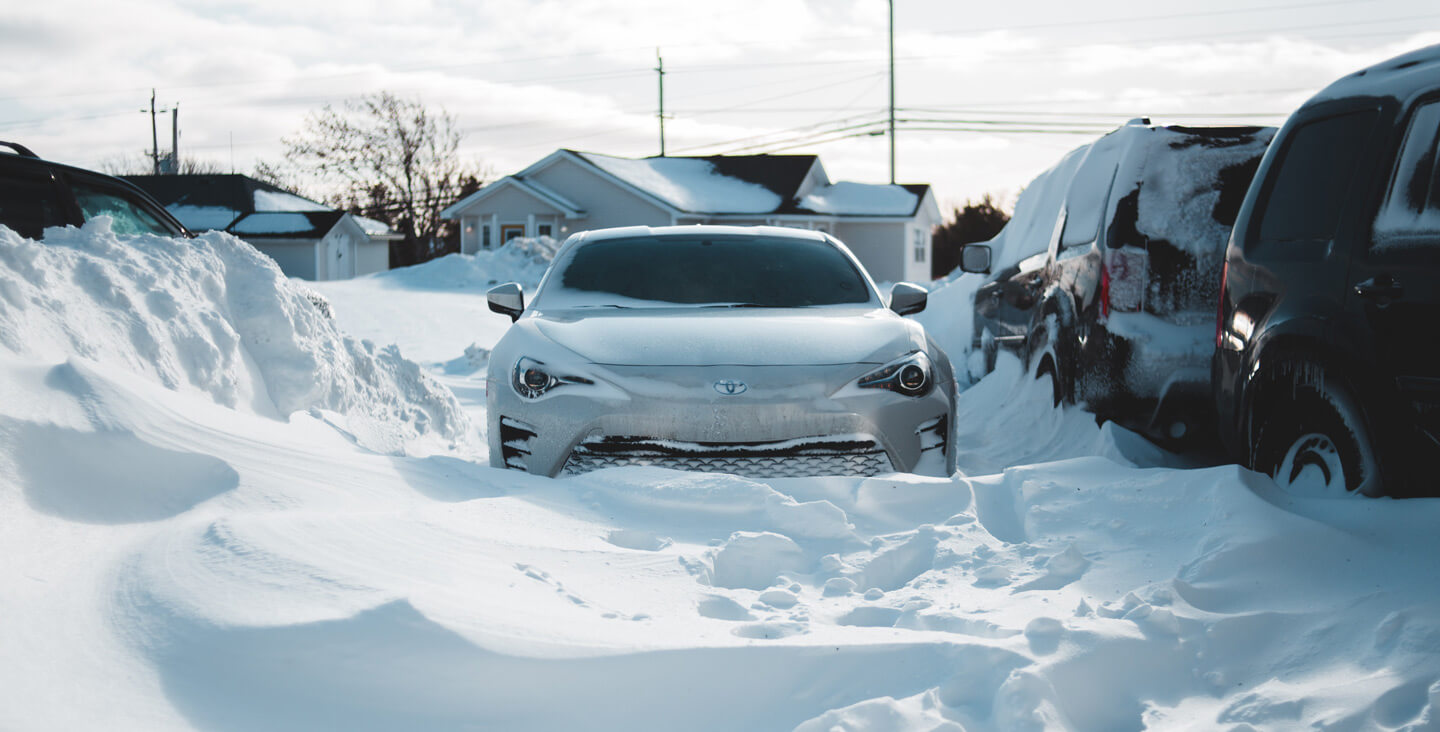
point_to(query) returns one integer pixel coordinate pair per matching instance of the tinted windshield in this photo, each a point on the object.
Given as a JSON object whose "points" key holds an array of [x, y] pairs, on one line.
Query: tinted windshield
{"points": [[705, 270]]}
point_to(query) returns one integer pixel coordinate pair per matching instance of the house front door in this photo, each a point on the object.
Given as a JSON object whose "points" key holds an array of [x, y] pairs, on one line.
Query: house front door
{"points": [[511, 231]]}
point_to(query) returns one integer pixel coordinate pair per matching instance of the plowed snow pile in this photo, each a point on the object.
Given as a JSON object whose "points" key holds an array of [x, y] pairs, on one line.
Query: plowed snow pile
{"points": [[215, 317], [174, 563]]}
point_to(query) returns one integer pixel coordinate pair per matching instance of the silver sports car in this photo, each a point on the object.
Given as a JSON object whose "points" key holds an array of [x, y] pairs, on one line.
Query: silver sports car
{"points": [[758, 351]]}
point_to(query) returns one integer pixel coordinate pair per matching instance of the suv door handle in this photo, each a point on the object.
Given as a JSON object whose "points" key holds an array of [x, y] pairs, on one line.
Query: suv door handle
{"points": [[1379, 287]]}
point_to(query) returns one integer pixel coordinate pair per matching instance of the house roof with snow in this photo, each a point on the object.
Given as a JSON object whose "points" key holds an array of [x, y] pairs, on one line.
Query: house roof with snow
{"points": [[722, 185], [247, 207]]}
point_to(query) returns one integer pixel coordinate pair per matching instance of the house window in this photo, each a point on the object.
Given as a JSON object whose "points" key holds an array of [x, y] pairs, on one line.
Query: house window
{"points": [[919, 246], [511, 231], [542, 230], [485, 236]]}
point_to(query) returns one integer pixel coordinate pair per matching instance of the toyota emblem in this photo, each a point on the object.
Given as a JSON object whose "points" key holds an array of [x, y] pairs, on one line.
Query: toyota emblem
{"points": [[730, 387]]}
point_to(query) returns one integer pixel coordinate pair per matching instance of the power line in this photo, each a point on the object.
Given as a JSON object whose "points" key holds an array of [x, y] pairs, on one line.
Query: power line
{"points": [[822, 141], [791, 95], [722, 143], [801, 138]]}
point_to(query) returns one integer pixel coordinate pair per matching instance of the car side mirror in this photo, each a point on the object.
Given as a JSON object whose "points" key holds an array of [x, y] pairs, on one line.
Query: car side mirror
{"points": [[507, 299], [975, 258], [907, 298]]}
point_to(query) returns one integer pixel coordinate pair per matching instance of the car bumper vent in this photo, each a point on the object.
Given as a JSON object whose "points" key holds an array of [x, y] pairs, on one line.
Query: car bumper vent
{"points": [[791, 459], [515, 437], [933, 435]]}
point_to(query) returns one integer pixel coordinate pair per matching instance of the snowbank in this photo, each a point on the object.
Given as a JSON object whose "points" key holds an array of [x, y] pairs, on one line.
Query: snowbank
{"points": [[212, 316], [436, 312], [518, 260]]}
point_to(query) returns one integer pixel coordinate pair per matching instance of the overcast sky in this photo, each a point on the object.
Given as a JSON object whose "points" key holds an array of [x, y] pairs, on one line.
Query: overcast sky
{"points": [[797, 76]]}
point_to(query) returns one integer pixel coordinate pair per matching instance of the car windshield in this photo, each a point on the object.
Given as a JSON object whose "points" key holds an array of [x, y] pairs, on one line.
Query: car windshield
{"points": [[736, 271]]}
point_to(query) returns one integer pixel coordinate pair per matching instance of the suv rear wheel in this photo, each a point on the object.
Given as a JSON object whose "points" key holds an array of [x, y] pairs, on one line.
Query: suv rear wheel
{"points": [[1310, 436]]}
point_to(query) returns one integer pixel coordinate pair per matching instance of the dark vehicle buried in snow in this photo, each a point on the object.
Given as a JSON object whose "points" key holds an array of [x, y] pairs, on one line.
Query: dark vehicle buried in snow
{"points": [[1327, 351], [1115, 303], [36, 194], [759, 351]]}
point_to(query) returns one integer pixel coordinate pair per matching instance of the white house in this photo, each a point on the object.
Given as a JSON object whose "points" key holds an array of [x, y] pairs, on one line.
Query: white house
{"points": [[307, 239], [887, 226]]}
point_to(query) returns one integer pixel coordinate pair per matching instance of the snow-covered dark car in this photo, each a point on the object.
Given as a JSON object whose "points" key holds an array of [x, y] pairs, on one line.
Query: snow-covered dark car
{"points": [[758, 351], [36, 194], [1116, 305], [1327, 354]]}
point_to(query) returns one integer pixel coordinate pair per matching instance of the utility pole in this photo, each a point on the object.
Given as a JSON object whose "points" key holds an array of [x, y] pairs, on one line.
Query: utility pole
{"points": [[154, 136], [175, 139], [892, 92], [660, 70]]}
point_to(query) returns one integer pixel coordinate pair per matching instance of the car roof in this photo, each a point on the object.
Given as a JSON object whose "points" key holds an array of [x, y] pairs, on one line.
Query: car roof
{"points": [[20, 157], [41, 163], [1400, 78], [699, 230]]}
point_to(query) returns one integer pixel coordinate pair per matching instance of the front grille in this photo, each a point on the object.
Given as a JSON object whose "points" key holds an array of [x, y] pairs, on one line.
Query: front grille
{"points": [[855, 455]]}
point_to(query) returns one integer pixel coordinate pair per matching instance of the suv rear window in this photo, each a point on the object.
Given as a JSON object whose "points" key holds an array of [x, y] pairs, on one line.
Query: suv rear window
{"points": [[1315, 170], [1411, 213], [29, 202]]}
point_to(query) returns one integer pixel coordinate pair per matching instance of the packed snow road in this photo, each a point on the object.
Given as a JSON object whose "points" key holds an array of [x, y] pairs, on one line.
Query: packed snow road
{"points": [[201, 533]]}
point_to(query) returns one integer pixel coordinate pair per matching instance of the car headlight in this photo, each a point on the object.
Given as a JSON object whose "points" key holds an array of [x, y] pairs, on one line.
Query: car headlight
{"points": [[912, 376], [532, 379]]}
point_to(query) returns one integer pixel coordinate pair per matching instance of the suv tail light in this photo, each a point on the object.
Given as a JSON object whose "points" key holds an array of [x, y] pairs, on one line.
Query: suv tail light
{"points": [[1104, 290], [1124, 275], [1220, 306]]}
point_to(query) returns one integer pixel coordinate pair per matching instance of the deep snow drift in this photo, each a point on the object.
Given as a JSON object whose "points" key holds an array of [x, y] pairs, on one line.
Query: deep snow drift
{"points": [[177, 561], [215, 317]]}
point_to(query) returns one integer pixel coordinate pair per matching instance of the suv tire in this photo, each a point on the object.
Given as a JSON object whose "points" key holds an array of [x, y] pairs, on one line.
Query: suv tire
{"points": [[1315, 428], [1052, 359]]}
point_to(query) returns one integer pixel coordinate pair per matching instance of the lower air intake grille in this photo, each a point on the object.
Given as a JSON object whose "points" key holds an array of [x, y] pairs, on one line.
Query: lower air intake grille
{"points": [[934, 435], [515, 437], [790, 459]]}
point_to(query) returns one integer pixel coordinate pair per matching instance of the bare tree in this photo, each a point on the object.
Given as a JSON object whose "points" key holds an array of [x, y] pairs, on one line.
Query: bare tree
{"points": [[388, 158]]}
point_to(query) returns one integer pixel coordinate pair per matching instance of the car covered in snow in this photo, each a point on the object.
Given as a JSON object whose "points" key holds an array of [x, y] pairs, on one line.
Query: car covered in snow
{"points": [[1327, 350], [37, 194], [757, 351], [1111, 271]]}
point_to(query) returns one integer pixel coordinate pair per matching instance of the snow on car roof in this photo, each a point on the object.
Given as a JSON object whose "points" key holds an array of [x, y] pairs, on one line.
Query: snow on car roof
{"points": [[1397, 77]]}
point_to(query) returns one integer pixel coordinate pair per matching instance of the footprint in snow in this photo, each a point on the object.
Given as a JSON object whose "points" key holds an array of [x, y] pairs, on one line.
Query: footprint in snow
{"points": [[543, 576]]}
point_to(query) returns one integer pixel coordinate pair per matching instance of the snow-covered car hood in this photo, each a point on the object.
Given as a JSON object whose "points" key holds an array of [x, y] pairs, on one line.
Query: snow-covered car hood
{"points": [[702, 337]]}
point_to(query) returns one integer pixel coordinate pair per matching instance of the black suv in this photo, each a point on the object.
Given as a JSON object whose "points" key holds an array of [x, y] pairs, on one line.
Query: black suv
{"points": [[1119, 310], [1327, 348], [35, 194]]}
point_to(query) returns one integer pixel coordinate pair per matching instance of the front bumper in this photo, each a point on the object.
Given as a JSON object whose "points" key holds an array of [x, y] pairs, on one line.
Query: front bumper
{"points": [[783, 424]]}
